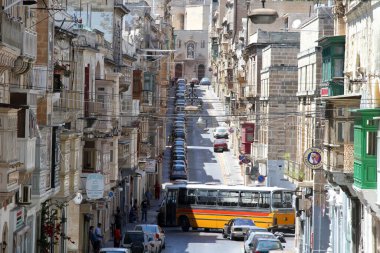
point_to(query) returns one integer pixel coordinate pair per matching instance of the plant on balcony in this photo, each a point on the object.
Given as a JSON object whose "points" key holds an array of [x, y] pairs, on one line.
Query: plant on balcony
{"points": [[52, 226]]}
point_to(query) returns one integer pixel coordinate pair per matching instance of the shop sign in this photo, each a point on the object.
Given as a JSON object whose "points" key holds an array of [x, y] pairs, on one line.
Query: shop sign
{"points": [[95, 186], [150, 166], [312, 158]]}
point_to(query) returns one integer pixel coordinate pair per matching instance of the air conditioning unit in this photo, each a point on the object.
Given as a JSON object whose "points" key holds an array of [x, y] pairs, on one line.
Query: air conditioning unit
{"points": [[24, 194]]}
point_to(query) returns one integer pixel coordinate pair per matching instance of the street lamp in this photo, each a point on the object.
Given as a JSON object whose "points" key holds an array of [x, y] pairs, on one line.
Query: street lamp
{"points": [[262, 15]]}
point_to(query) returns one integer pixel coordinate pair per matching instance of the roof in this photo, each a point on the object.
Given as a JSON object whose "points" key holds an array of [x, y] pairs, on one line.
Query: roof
{"points": [[216, 186]]}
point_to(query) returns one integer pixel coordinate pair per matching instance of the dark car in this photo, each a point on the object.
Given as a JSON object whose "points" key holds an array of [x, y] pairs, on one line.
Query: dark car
{"points": [[179, 162], [237, 228], [179, 157], [178, 172], [265, 245], [180, 134]]}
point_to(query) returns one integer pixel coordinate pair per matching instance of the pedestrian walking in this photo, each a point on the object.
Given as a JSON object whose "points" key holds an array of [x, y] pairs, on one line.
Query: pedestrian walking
{"points": [[157, 189], [144, 210], [93, 240], [148, 197], [116, 238], [99, 238], [118, 219]]}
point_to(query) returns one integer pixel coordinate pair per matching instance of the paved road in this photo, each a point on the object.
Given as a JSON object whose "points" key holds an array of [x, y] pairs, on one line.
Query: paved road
{"points": [[204, 166]]}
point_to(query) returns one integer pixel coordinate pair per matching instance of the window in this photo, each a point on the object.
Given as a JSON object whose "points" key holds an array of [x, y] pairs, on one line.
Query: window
{"points": [[371, 143], [203, 44], [228, 198], [249, 199], [190, 51]]}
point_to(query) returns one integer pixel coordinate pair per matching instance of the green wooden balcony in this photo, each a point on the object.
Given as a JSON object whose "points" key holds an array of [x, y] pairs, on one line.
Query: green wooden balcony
{"points": [[365, 149]]}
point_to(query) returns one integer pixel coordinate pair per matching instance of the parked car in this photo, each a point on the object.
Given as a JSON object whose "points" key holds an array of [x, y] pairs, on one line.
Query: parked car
{"points": [[205, 81], [178, 174], [264, 245], [253, 230], [194, 80], [220, 132], [138, 242], [115, 250], [253, 236], [236, 228], [179, 162], [220, 145], [154, 229]]}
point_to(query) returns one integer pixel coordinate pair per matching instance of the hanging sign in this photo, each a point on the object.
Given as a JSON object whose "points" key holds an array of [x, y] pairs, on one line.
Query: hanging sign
{"points": [[312, 158], [95, 186]]}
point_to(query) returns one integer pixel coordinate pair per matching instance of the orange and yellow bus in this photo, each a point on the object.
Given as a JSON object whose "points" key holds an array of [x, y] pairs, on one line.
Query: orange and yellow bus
{"points": [[210, 206]]}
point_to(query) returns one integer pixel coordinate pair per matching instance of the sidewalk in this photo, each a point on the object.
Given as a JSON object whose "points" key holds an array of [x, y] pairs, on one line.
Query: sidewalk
{"points": [[151, 219]]}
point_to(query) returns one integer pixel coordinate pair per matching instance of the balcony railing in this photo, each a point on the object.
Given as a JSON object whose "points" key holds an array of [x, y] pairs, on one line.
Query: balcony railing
{"points": [[11, 31], [294, 170], [65, 105], [29, 48], [27, 153]]}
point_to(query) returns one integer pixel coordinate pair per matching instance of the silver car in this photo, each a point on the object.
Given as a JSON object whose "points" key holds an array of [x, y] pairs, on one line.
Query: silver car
{"points": [[237, 228]]}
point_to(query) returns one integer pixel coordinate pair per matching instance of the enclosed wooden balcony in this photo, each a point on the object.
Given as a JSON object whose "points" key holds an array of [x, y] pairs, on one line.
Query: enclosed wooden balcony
{"points": [[294, 171], [27, 153], [66, 105]]}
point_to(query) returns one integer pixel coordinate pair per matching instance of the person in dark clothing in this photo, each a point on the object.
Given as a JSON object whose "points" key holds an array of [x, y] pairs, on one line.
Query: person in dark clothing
{"points": [[144, 210], [118, 219], [94, 240], [157, 189]]}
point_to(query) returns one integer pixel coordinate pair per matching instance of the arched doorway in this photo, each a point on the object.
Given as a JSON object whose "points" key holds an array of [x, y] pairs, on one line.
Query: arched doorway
{"points": [[178, 71], [201, 71]]}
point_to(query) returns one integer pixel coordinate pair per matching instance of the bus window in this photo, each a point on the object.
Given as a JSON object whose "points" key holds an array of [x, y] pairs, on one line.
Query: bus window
{"points": [[191, 196], [228, 198], [207, 197], [202, 197], [264, 201], [281, 199], [249, 199]]}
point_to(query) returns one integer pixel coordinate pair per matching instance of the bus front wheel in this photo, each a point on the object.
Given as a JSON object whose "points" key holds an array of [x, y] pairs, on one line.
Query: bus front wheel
{"points": [[185, 225]]}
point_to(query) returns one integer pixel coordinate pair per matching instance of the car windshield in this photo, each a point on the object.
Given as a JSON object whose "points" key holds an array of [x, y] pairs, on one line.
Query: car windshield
{"points": [[221, 130], [244, 222], [110, 251], [133, 237], [179, 168], [268, 245], [146, 229]]}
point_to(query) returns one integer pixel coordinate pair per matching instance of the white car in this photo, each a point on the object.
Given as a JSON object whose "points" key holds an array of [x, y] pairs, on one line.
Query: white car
{"points": [[253, 235], [221, 132], [115, 250], [155, 230]]}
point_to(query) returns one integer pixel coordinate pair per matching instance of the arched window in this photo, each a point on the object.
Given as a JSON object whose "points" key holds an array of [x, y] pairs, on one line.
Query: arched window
{"points": [[190, 51]]}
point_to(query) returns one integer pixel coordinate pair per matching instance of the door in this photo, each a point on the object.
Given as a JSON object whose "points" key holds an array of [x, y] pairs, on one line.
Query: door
{"points": [[171, 205]]}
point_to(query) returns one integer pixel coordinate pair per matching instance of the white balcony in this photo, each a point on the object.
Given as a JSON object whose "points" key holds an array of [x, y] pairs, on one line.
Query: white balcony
{"points": [[259, 151], [29, 48], [27, 153]]}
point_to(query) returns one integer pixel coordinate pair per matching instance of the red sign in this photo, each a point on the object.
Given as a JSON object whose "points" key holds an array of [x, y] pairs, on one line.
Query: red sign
{"points": [[324, 91]]}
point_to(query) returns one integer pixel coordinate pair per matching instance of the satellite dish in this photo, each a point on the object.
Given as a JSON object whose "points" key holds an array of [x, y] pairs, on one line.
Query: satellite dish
{"points": [[296, 23], [78, 198]]}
